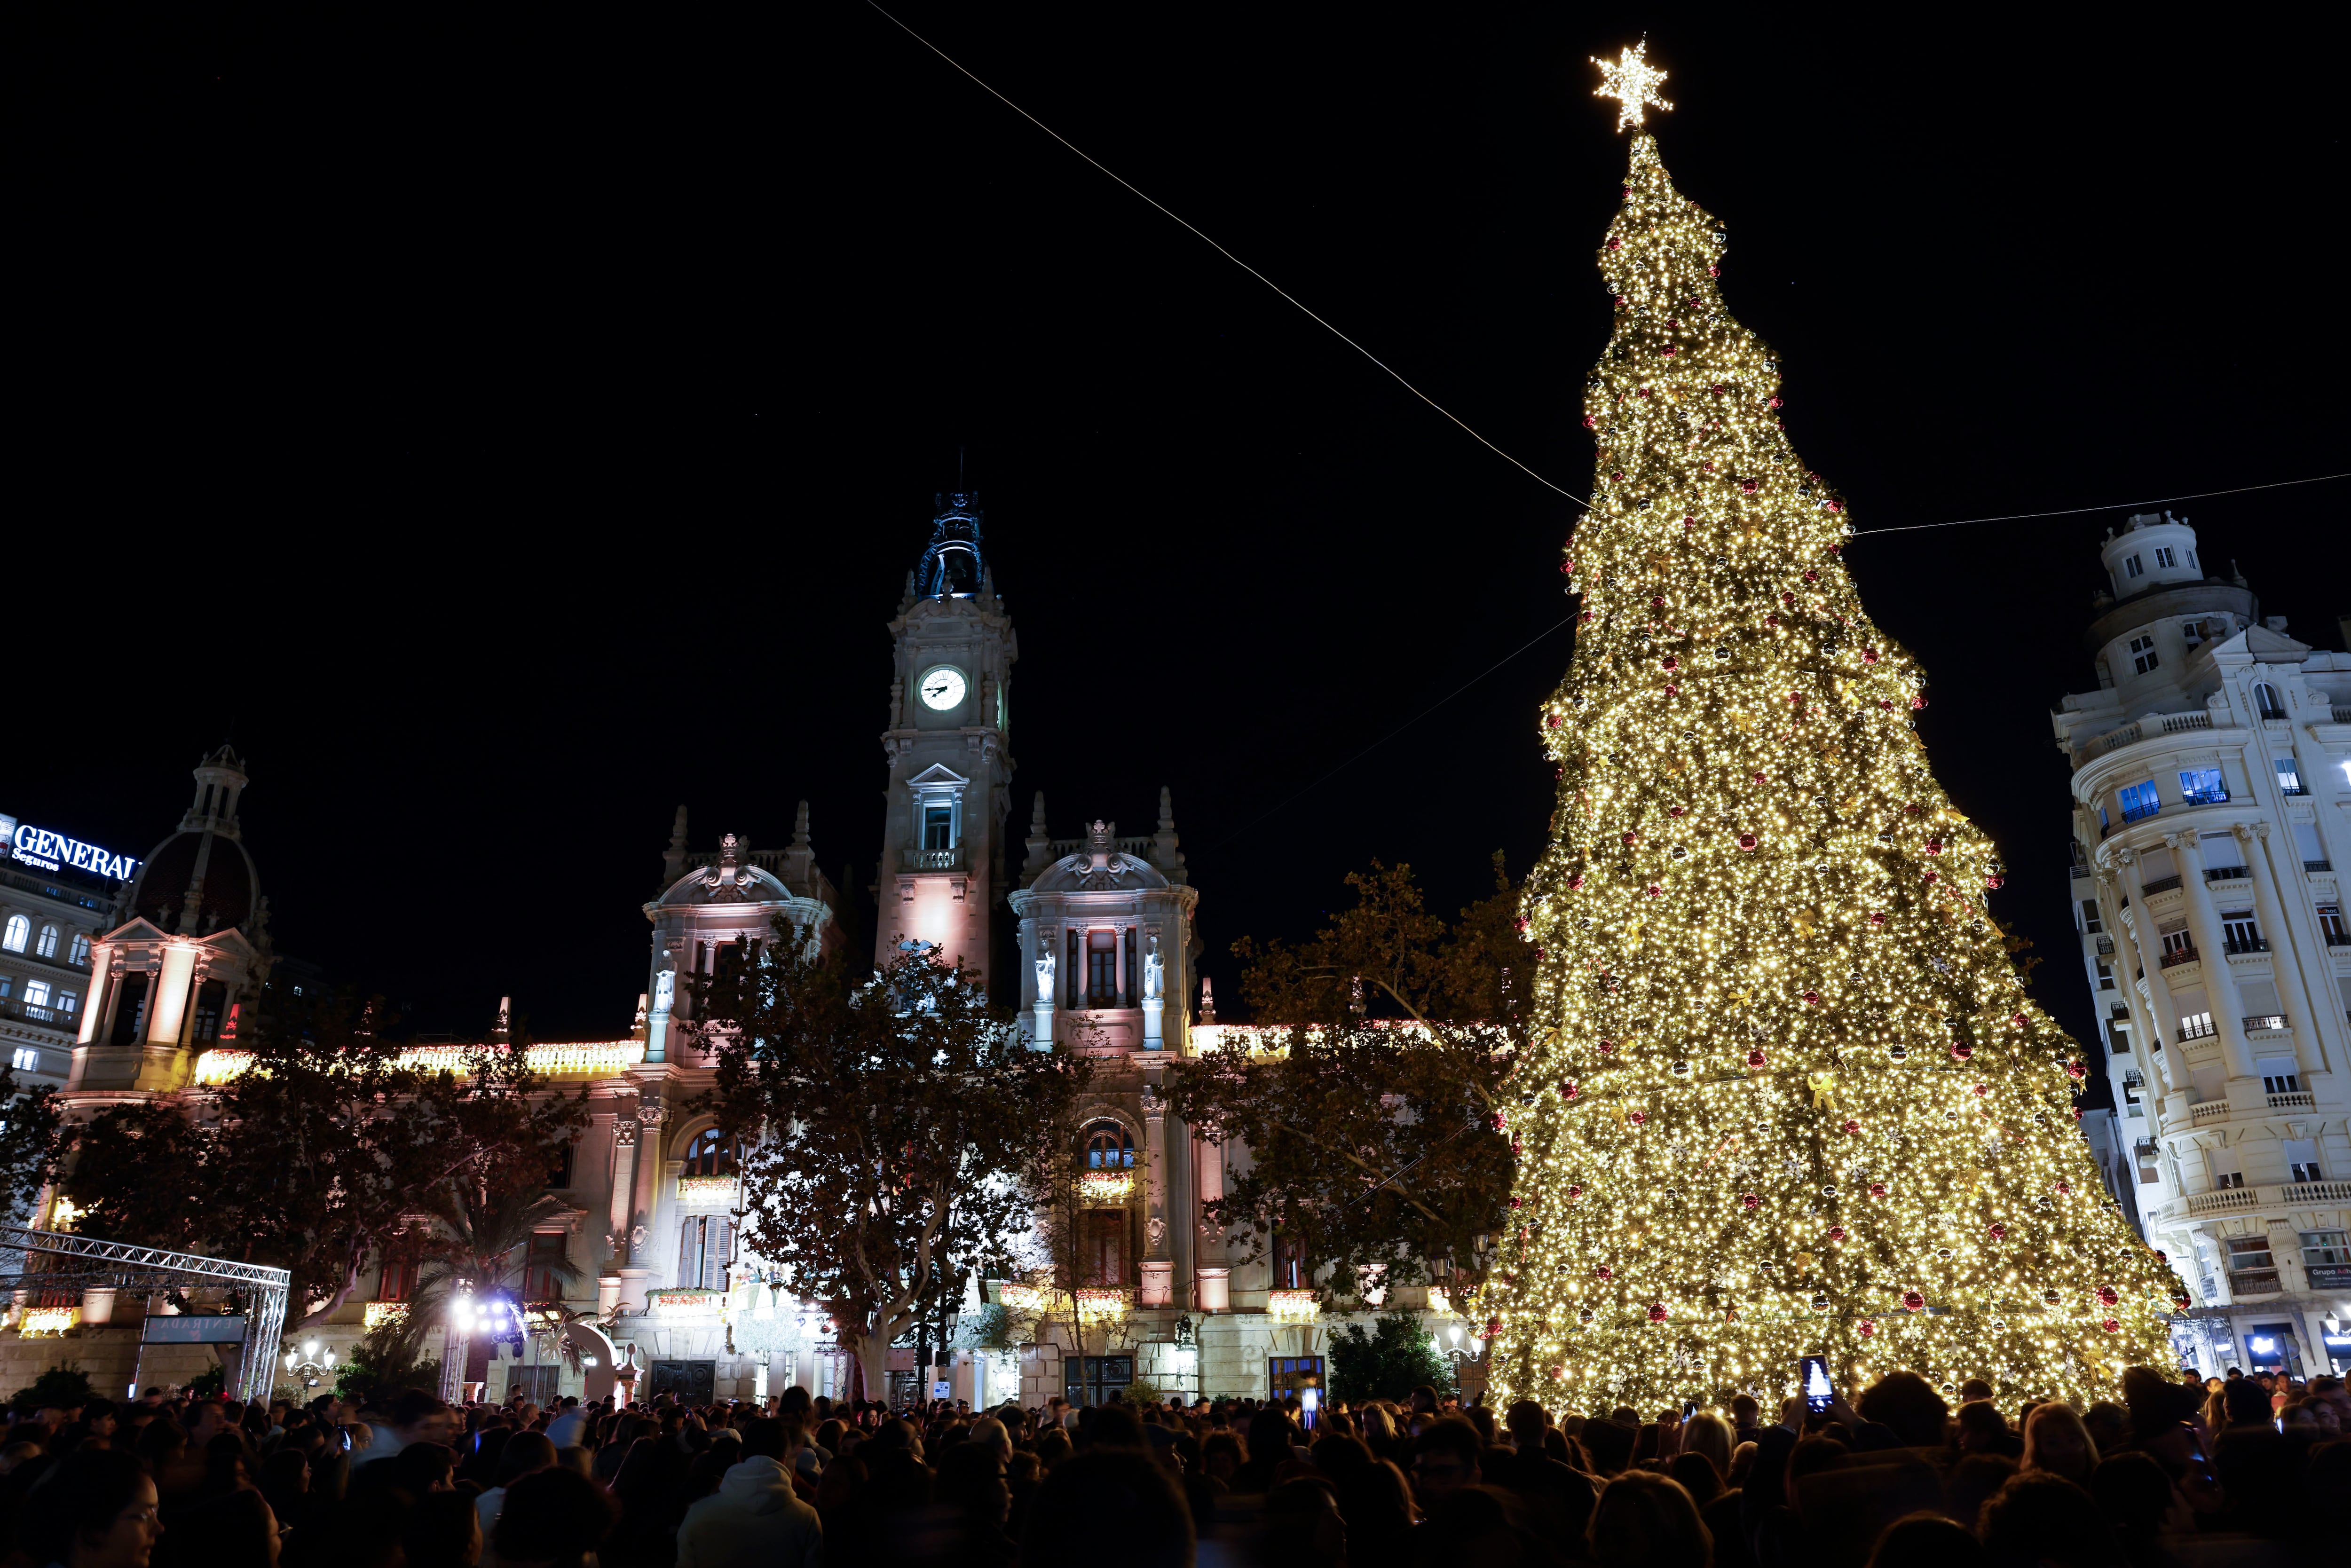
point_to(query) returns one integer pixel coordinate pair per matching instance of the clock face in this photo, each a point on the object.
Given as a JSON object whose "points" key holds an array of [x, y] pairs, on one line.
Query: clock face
{"points": [[942, 688]]}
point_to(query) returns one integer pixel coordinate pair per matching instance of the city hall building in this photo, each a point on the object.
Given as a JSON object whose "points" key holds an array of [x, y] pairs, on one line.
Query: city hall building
{"points": [[1096, 929]]}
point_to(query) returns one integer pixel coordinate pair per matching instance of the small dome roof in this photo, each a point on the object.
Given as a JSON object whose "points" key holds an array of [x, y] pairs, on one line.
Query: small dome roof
{"points": [[231, 886]]}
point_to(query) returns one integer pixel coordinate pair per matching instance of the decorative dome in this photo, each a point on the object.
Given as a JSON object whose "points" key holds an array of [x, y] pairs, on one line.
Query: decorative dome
{"points": [[201, 880]]}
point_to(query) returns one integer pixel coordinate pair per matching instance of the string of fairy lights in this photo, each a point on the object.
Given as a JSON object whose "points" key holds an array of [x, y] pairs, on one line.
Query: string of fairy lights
{"points": [[1794, 1098]]}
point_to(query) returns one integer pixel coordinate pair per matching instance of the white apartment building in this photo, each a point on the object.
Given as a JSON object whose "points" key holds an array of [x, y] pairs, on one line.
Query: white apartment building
{"points": [[2211, 783]]}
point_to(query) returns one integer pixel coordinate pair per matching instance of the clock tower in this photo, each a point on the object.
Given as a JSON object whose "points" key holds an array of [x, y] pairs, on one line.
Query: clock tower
{"points": [[943, 844]]}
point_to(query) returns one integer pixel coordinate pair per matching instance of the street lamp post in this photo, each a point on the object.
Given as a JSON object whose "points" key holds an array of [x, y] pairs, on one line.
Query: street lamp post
{"points": [[309, 1364]]}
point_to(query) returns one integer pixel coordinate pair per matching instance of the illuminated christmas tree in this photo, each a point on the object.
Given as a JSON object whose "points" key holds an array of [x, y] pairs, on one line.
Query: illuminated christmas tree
{"points": [[1796, 1099]]}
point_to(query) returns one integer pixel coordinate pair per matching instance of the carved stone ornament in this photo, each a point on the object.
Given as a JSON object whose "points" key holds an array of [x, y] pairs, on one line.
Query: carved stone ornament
{"points": [[624, 1134], [730, 881], [1155, 1231], [649, 1112], [1045, 976], [636, 1236]]}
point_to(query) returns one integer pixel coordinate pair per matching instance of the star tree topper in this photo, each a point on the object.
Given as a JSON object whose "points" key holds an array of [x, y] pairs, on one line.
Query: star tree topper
{"points": [[1632, 81]]}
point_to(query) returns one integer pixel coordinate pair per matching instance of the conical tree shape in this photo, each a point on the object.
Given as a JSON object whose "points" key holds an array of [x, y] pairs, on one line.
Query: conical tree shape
{"points": [[1796, 1100]]}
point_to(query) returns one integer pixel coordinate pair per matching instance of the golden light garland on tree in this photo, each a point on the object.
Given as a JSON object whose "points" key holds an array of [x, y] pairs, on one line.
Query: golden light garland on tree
{"points": [[1796, 1099]]}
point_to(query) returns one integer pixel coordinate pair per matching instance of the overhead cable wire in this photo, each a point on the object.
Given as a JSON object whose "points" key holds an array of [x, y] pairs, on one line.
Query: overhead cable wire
{"points": [[1237, 261], [1471, 430], [2113, 506]]}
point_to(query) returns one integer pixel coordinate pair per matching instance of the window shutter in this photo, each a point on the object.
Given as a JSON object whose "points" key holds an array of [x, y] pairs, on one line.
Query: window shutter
{"points": [[2155, 865], [2261, 998], [2305, 840]]}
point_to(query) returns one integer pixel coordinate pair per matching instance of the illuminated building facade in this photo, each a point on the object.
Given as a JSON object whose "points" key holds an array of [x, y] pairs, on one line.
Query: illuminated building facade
{"points": [[2211, 782], [58, 896], [1099, 929]]}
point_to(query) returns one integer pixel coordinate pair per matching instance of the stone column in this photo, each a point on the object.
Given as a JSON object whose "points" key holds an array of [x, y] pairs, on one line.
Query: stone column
{"points": [[2204, 921], [1158, 1273], [1215, 1272], [2296, 945], [2146, 954]]}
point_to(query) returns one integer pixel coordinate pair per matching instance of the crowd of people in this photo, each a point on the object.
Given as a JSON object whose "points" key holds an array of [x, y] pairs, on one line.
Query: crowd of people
{"points": [[2178, 1474]]}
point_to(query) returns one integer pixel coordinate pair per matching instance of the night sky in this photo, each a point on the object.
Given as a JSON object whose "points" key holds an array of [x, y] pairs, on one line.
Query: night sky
{"points": [[504, 437]]}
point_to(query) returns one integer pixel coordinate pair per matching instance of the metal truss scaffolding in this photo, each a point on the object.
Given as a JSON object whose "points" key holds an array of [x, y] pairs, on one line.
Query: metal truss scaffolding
{"points": [[50, 1260]]}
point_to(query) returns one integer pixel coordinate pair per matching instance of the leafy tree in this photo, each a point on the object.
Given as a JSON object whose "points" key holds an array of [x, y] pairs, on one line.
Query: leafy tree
{"points": [[886, 1121], [1389, 1361], [29, 1120], [316, 1156], [479, 1246], [384, 1359], [59, 1389], [1377, 1125]]}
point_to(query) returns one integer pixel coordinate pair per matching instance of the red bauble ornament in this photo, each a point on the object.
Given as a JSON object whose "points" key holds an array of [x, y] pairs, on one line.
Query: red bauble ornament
{"points": [[1541, 954], [1518, 1203], [1714, 271], [2016, 1019], [1877, 919], [1993, 882], [1746, 840], [1667, 350], [2064, 1187], [1570, 1093], [1934, 876], [1630, 839], [1589, 616], [2077, 1113], [1607, 1048], [1653, 890], [1882, 702], [1720, 388], [1934, 846], [1689, 522], [1812, 998], [1962, 1051], [1878, 1189], [1603, 1272], [1577, 1191], [1493, 1327], [1913, 1302], [1676, 810], [1553, 721], [1590, 422], [1775, 402], [1498, 1120], [1771, 620], [1575, 881], [2112, 1325], [1657, 1313], [1917, 702], [2074, 1070], [1983, 1089], [1997, 1233], [1868, 1329], [1637, 1117], [1619, 478], [1644, 392], [1811, 577], [1869, 655], [1671, 663], [1755, 1060], [1749, 486], [1558, 1375], [1836, 1232], [2161, 1256], [2108, 1295], [1519, 925], [1750, 1201], [1851, 1126], [1615, 243]]}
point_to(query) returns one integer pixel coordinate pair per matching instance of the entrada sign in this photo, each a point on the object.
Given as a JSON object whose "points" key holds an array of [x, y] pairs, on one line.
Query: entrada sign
{"points": [[55, 851]]}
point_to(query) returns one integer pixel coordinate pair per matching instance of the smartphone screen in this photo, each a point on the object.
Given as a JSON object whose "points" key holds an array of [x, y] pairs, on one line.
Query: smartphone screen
{"points": [[1812, 1371]]}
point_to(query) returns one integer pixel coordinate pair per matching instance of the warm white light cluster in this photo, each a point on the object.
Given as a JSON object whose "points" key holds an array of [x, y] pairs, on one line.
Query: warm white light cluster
{"points": [[1794, 1098], [1632, 81], [579, 1058]]}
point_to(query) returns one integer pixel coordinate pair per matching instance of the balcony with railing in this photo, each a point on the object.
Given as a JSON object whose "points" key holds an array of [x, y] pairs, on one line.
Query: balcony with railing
{"points": [[2238, 946], [2105, 946], [2316, 1192], [2201, 1027], [2224, 1200], [2174, 957], [2243, 1282], [2226, 873], [2293, 1100], [2131, 733], [2162, 884], [2260, 1022], [2205, 1111], [953, 859], [2315, 866]]}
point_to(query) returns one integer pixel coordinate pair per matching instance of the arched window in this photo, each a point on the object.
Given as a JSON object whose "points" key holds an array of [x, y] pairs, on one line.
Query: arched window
{"points": [[2265, 699], [711, 1154], [19, 931], [1109, 1148], [48, 945], [80, 950]]}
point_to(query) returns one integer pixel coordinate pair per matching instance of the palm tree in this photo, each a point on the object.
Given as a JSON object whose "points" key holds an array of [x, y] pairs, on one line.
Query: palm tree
{"points": [[479, 1248]]}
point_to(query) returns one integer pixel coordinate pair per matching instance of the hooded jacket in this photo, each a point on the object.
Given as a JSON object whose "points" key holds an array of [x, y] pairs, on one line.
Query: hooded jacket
{"points": [[752, 1520]]}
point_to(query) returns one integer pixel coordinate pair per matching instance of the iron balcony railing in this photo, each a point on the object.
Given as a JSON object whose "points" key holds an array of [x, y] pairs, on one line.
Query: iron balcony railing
{"points": [[2175, 957], [2225, 873], [2247, 945], [2253, 1282], [2264, 1020], [2161, 884]]}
